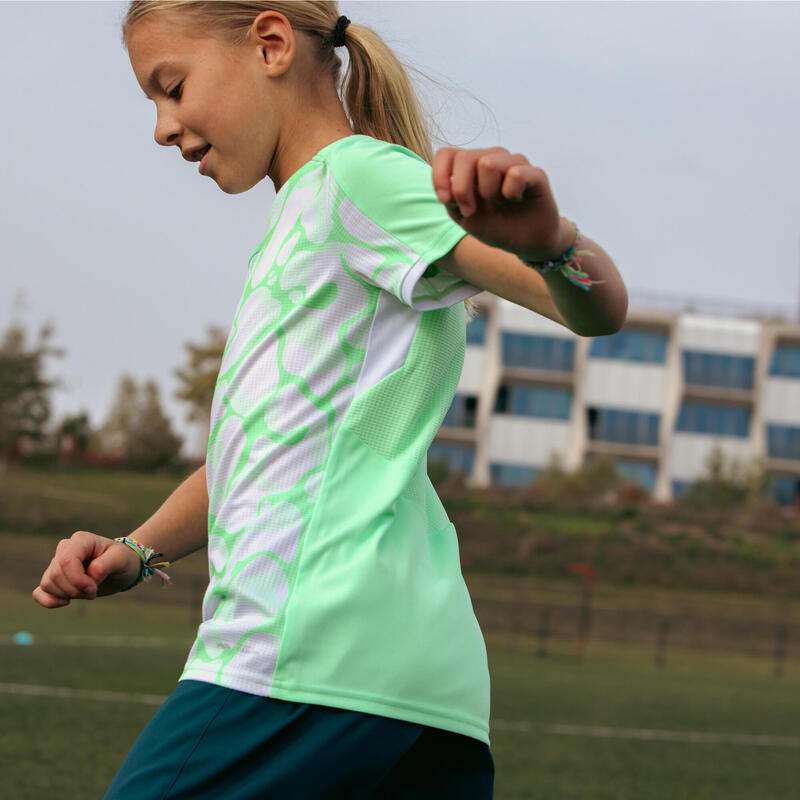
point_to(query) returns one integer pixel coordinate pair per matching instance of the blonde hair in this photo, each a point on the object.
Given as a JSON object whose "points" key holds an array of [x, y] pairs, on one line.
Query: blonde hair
{"points": [[378, 96]]}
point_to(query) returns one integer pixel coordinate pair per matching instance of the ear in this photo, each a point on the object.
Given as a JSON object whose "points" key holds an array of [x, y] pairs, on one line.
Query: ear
{"points": [[274, 38]]}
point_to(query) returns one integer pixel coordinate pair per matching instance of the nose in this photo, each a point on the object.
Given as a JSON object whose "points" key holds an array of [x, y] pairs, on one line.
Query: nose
{"points": [[167, 130]]}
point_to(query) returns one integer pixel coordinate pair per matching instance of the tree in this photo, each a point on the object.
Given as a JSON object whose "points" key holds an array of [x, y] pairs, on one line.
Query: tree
{"points": [[137, 429], [25, 403], [72, 437], [728, 482], [151, 443], [595, 482], [113, 436], [199, 377]]}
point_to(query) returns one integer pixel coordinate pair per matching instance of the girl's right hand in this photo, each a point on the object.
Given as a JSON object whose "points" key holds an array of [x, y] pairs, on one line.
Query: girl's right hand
{"points": [[86, 566]]}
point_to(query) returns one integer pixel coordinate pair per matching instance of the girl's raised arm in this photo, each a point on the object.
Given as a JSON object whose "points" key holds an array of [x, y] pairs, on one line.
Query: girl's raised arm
{"points": [[507, 206]]}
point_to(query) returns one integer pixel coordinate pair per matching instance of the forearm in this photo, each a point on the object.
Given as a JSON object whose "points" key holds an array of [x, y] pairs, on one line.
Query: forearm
{"points": [[180, 526], [602, 309]]}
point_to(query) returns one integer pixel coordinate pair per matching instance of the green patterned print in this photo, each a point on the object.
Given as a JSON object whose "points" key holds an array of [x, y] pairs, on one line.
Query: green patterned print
{"points": [[334, 570]]}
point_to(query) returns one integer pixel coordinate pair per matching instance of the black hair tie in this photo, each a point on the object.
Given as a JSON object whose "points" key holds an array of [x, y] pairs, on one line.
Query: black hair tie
{"points": [[338, 31]]}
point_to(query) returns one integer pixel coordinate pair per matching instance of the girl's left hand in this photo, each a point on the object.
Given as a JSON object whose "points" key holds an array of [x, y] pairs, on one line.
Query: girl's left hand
{"points": [[501, 199]]}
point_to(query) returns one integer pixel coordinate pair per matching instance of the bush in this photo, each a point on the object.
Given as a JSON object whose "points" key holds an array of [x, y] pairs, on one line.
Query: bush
{"points": [[728, 483]]}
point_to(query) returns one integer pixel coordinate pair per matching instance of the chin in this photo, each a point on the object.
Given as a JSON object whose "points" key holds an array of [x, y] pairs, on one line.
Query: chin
{"points": [[236, 187], [237, 180]]}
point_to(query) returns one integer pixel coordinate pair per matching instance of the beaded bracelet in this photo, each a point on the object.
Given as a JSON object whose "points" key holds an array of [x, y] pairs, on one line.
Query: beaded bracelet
{"points": [[147, 555], [569, 264]]}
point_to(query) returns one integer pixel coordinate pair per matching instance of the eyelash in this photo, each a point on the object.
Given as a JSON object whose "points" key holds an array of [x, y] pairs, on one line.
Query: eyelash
{"points": [[175, 94]]}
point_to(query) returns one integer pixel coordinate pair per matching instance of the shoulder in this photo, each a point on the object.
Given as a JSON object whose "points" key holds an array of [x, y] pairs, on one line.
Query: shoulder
{"points": [[362, 165], [385, 194]]}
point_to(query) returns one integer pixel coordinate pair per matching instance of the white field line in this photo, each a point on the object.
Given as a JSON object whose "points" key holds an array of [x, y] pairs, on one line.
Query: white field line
{"points": [[81, 694], [650, 735], [640, 734], [104, 641], [57, 493]]}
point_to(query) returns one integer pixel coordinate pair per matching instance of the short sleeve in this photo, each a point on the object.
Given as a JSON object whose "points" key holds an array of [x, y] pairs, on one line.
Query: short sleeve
{"points": [[394, 224]]}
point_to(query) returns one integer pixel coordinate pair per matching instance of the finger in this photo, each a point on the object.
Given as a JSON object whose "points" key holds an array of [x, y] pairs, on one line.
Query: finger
{"points": [[119, 563], [520, 178], [113, 560], [490, 175], [56, 583], [462, 183], [63, 545], [47, 600], [442, 170], [75, 574], [83, 551]]}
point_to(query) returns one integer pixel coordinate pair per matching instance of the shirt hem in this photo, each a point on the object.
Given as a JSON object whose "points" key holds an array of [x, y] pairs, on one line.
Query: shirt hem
{"points": [[350, 701], [459, 291]]}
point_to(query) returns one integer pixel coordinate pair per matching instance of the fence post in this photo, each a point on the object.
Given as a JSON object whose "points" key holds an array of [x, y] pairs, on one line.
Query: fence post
{"points": [[544, 631], [585, 622], [587, 573], [520, 596], [781, 637], [661, 642]]}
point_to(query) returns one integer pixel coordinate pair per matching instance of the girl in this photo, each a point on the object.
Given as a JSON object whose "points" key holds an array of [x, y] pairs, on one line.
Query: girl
{"points": [[338, 656]]}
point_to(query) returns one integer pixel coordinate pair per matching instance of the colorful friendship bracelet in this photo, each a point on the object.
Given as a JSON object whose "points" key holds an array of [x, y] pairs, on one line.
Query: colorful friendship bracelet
{"points": [[569, 264], [147, 555]]}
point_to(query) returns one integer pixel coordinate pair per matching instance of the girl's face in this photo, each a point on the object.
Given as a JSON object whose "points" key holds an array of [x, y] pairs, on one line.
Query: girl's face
{"points": [[212, 101]]}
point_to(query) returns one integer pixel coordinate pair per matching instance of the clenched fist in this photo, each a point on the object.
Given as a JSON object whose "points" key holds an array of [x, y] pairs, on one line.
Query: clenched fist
{"points": [[86, 566]]}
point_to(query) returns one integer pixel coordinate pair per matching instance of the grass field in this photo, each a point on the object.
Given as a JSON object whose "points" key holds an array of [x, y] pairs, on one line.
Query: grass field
{"points": [[709, 724], [610, 727]]}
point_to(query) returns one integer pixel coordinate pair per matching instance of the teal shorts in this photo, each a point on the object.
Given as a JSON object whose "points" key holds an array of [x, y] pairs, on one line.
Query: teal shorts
{"points": [[207, 742]]}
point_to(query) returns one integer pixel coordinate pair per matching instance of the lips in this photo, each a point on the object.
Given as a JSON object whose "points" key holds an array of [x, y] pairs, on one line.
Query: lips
{"points": [[202, 168], [196, 153]]}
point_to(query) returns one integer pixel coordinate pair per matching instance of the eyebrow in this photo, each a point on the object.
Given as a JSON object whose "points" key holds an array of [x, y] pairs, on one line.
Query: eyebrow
{"points": [[154, 75]]}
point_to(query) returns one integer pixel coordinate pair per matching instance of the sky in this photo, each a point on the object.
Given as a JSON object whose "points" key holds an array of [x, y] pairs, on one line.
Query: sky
{"points": [[668, 131]]}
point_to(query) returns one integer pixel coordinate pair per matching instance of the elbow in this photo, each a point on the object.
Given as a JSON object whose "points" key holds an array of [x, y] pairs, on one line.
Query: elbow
{"points": [[610, 322]]}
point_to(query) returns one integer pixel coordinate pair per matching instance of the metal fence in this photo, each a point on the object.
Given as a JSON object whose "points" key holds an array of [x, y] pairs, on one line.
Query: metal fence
{"points": [[538, 616]]}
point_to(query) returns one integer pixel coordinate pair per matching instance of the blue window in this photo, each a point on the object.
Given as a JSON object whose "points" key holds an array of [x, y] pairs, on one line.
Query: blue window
{"points": [[680, 488], [639, 472], [538, 352], [784, 489], [623, 427], [458, 458], [476, 330], [461, 413], [718, 369], [716, 420], [550, 402], [631, 345], [512, 474], [783, 441], [786, 361]]}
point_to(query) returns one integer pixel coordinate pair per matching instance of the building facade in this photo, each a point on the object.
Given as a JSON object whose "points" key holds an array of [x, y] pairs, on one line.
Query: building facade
{"points": [[656, 398]]}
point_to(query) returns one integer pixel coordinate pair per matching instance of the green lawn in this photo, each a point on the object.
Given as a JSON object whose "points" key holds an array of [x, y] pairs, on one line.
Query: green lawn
{"points": [[69, 748]]}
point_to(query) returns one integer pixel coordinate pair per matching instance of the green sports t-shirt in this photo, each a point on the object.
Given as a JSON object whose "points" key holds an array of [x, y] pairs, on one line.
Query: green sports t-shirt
{"points": [[334, 569]]}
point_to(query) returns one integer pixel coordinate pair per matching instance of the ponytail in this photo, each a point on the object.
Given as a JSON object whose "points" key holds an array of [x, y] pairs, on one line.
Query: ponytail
{"points": [[378, 95]]}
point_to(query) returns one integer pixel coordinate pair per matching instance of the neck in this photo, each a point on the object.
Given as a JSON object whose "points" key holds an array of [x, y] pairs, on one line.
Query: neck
{"points": [[300, 142]]}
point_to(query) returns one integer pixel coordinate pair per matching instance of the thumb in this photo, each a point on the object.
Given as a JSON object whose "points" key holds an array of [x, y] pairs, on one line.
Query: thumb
{"points": [[115, 561]]}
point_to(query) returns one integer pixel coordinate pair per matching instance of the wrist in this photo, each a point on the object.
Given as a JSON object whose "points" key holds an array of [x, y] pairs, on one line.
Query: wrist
{"points": [[567, 237], [562, 239], [148, 563], [568, 263]]}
